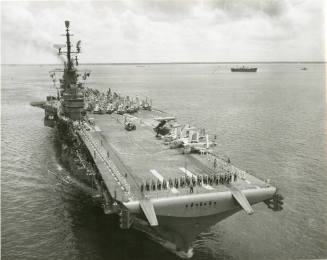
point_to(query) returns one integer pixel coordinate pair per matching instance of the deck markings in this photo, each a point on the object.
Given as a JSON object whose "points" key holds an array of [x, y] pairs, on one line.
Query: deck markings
{"points": [[157, 175], [190, 174], [160, 178]]}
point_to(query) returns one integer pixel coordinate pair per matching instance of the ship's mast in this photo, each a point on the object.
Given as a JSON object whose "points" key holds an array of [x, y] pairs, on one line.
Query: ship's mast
{"points": [[70, 74], [69, 63]]}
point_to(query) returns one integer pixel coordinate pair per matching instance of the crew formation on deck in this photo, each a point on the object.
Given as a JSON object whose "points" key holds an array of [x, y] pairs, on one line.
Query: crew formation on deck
{"points": [[189, 182]]}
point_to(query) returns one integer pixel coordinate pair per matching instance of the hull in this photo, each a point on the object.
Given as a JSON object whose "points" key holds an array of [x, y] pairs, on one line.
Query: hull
{"points": [[179, 223], [79, 164], [178, 234]]}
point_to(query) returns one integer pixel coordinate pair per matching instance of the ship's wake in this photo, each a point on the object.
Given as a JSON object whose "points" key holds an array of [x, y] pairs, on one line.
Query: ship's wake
{"points": [[64, 179]]}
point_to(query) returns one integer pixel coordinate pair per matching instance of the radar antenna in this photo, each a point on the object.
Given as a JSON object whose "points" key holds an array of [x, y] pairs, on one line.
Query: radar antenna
{"points": [[70, 60]]}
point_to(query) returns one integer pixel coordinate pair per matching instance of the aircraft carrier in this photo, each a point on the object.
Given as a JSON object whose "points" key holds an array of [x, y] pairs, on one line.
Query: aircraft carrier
{"points": [[159, 176]]}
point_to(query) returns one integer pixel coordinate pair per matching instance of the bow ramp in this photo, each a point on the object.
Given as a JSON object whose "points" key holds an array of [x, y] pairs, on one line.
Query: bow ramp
{"points": [[148, 210]]}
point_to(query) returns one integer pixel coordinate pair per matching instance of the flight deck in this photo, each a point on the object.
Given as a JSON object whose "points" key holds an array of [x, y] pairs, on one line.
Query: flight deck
{"points": [[129, 159]]}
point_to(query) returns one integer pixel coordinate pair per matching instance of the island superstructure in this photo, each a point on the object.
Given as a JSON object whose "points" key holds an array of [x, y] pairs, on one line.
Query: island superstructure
{"points": [[159, 176]]}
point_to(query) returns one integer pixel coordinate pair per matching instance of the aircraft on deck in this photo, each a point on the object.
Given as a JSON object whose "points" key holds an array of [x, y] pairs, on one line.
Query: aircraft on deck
{"points": [[194, 140], [196, 144], [163, 128], [187, 137]]}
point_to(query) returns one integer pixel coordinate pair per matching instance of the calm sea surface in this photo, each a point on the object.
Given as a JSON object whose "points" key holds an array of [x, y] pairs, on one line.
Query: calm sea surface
{"points": [[271, 123]]}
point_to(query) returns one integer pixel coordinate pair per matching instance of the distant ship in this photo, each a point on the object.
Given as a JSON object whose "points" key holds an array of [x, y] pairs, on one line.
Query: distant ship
{"points": [[244, 69], [304, 68]]}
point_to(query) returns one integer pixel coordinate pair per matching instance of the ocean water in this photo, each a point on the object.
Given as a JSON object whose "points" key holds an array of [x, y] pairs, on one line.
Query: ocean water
{"points": [[271, 123]]}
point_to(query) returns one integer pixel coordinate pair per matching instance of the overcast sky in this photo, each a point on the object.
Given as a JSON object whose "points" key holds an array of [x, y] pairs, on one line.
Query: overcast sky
{"points": [[166, 31]]}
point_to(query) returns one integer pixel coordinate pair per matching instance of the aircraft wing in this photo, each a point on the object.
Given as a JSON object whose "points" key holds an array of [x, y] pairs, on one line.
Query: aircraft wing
{"points": [[168, 118]]}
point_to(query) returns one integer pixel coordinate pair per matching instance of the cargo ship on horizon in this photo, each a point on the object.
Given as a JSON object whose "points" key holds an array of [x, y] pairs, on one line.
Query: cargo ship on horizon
{"points": [[158, 176], [244, 69]]}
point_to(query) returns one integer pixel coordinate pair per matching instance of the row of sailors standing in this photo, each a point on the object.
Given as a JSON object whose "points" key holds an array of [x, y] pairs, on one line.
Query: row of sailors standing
{"points": [[186, 181]]}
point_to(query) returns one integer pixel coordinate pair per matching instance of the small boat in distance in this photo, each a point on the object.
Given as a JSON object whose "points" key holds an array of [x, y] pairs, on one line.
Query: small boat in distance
{"points": [[244, 69], [304, 68]]}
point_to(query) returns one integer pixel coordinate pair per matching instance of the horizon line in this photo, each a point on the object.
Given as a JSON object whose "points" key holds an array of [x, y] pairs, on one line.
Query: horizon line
{"points": [[162, 63]]}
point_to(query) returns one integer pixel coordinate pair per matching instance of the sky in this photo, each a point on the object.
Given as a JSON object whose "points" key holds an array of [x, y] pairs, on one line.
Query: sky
{"points": [[165, 30]]}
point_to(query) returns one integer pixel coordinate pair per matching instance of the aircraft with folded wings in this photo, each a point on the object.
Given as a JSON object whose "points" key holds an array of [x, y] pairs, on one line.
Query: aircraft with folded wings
{"points": [[178, 136]]}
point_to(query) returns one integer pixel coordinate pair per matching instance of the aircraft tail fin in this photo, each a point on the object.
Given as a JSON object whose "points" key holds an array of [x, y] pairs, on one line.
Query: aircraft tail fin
{"points": [[190, 137], [179, 132]]}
